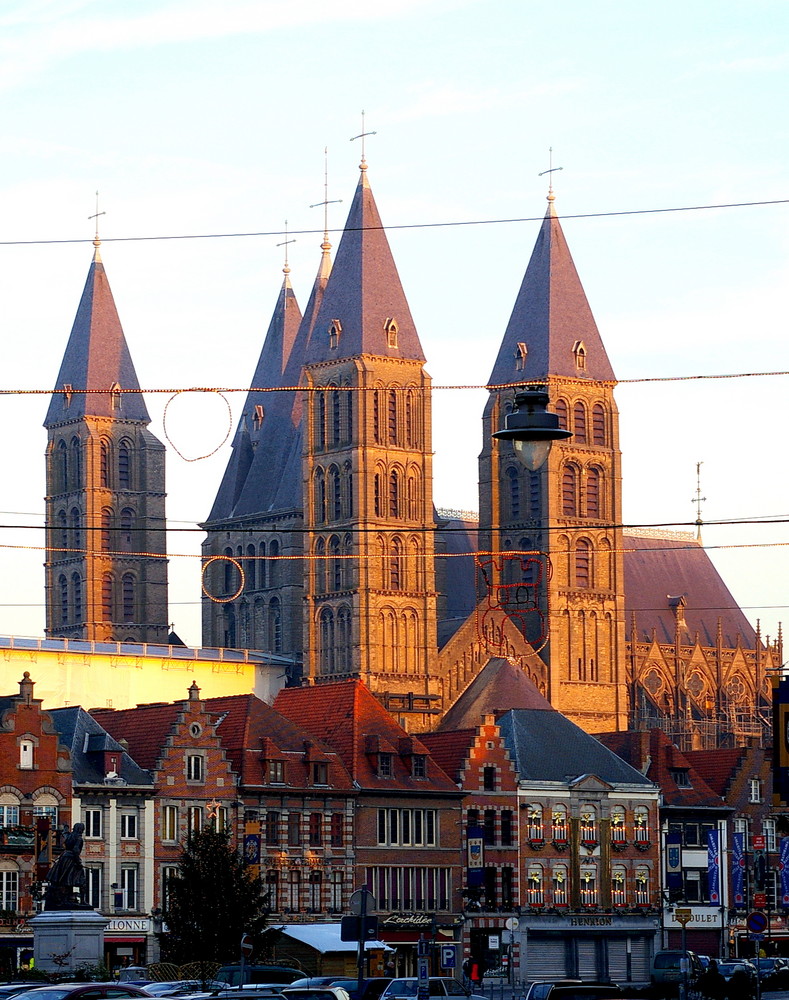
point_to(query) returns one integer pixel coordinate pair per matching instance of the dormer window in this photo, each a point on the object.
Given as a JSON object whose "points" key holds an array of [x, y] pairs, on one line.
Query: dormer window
{"points": [[520, 357], [67, 393], [115, 389], [385, 765], [579, 350], [257, 416], [391, 330], [681, 777], [335, 329]]}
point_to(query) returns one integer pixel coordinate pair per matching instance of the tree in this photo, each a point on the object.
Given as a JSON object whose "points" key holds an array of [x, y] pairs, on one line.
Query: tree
{"points": [[212, 901]]}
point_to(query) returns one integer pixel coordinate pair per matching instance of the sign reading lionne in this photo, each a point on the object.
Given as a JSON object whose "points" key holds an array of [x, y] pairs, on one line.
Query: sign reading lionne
{"points": [[408, 921], [139, 924]]}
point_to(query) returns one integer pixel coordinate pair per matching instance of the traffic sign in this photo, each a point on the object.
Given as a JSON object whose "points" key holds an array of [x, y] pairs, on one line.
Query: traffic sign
{"points": [[759, 842], [756, 922], [448, 956], [247, 945], [760, 900], [683, 915]]}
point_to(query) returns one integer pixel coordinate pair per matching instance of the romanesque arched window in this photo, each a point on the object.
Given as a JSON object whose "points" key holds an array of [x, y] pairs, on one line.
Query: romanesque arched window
{"points": [[561, 413], [63, 589], [127, 597], [75, 464], [396, 563], [273, 563], [593, 492], [76, 594], [76, 528], [320, 496], [104, 463], [336, 493], [127, 530], [598, 424], [262, 565], [583, 563], [124, 465], [107, 597], [391, 417], [570, 490], [394, 493], [579, 423], [249, 568], [275, 625], [514, 484], [347, 476], [62, 538], [106, 528], [61, 467], [320, 421]]}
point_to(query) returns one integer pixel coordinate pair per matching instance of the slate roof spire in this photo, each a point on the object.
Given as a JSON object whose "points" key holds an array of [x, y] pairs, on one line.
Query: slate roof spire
{"points": [[364, 292], [551, 319], [96, 357]]}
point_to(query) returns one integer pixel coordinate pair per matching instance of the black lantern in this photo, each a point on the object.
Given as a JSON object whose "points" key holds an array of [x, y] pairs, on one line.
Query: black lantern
{"points": [[531, 428]]}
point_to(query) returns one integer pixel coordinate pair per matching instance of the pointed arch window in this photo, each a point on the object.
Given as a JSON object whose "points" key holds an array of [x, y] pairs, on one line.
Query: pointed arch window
{"points": [[336, 493], [335, 329], [336, 416], [377, 407], [76, 529], [514, 493], [127, 530], [392, 416], [320, 566], [76, 591], [570, 491], [327, 662], [258, 413], [104, 463], [394, 493], [348, 489], [127, 592], [583, 563], [593, 492], [344, 639], [391, 330], [410, 420], [61, 467], [62, 531], [320, 496], [336, 563], [229, 572], [106, 597], [249, 568], [579, 423], [413, 497], [520, 357], [273, 563], [76, 463], [320, 421], [275, 625], [579, 350], [395, 563], [348, 417], [598, 424], [534, 494], [63, 588], [377, 487], [106, 528], [347, 565], [124, 465], [262, 565]]}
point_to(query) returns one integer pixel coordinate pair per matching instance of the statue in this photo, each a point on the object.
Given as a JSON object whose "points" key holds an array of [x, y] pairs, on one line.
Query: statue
{"points": [[66, 878]]}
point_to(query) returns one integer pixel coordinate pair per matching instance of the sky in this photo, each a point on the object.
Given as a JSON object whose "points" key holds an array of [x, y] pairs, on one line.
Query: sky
{"points": [[210, 119]]}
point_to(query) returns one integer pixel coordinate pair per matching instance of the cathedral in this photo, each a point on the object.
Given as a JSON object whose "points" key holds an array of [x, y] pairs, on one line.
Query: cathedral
{"points": [[323, 545]]}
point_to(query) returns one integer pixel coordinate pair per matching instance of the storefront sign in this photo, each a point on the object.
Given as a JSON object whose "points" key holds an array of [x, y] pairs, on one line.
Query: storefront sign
{"points": [[128, 925], [408, 921], [700, 916]]}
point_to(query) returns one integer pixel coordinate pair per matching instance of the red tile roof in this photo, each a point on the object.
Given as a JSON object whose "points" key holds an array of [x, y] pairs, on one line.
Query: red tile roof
{"points": [[718, 767], [145, 728], [450, 750], [344, 714]]}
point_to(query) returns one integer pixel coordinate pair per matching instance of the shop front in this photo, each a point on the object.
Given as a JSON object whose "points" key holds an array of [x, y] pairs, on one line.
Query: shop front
{"points": [[616, 946], [703, 931], [775, 940], [402, 932], [126, 942], [16, 946]]}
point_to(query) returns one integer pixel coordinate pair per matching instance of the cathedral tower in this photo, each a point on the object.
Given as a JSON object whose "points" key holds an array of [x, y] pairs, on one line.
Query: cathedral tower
{"points": [[106, 575], [370, 609], [567, 597]]}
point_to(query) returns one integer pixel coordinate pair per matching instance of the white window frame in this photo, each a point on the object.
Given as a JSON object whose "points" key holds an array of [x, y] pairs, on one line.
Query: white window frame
{"points": [[26, 755], [755, 793], [9, 814], [170, 824], [94, 878], [9, 889], [129, 825], [195, 768], [768, 829], [129, 887], [93, 821]]}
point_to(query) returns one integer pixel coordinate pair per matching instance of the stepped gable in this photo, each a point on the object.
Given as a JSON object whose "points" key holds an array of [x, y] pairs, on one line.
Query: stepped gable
{"points": [[500, 685], [269, 372], [658, 571], [718, 767], [245, 724], [96, 357], [551, 314], [89, 744], [351, 720], [364, 292], [654, 753], [547, 746]]}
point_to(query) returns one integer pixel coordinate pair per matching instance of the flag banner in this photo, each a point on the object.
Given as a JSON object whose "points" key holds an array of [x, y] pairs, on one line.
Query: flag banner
{"points": [[475, 856], [674, 861], [738, 869], [713, 868], [783, 867]]}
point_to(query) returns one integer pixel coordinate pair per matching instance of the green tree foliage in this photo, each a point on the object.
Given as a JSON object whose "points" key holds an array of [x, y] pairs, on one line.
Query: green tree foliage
{"points": [[212, 901]]}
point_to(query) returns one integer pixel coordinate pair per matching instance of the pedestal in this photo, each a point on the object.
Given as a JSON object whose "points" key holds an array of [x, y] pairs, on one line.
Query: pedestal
{"points": [[65, 939]]}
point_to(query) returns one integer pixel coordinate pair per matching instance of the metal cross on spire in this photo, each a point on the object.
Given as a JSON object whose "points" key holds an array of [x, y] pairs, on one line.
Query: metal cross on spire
{"points": [[361, 135], [96, 240], [335, 201], [284, 243], [551, 169], [698, 500]]}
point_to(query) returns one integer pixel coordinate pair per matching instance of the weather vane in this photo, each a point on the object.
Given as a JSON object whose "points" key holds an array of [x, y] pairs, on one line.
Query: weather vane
{"points": [[551, 169], [361, 136]]}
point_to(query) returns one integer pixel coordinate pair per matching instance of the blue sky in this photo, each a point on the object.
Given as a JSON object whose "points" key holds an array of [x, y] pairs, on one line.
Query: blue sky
{"points": [[211, 118]]}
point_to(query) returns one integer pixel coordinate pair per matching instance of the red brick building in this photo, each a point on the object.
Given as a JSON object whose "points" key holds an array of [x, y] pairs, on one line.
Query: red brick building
{"points": [[408, 814], [35, 796]]}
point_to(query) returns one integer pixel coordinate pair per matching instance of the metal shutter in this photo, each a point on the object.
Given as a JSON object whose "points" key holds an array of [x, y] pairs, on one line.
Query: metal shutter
{"points": [[587, 958], [640, 959], [545, 958], [617, 959]]}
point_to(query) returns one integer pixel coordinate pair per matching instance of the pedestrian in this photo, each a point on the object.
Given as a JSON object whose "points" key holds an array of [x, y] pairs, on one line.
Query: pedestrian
{"points": [[711, 982]]}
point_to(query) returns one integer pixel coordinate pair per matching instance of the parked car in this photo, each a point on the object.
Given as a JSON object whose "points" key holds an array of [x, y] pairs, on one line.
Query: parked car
{"points": [[539, 991], [83, 991], [314, 981], [231, 974], [729, 970], [180, 987], [438, 986], [667, 967], [585, 991], [371, 988], [315, 993]]}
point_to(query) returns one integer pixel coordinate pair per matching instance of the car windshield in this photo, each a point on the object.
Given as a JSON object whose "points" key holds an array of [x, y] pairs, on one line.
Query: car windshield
{"points": [[401, 988], [46, 993]]}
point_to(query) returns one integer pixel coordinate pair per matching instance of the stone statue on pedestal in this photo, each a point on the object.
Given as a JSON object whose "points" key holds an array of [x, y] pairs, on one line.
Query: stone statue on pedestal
{"points": [[66, 878]]}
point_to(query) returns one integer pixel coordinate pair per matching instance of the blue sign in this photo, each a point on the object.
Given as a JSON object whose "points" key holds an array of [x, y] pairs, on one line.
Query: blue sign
{"points": [[448, 956], [756, 922]]}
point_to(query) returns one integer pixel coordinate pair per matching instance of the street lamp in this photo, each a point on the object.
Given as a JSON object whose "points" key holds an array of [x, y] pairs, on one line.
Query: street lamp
{"points": [[531, 428]]}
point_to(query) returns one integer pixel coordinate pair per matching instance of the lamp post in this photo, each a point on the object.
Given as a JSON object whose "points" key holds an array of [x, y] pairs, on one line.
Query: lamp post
{"points": [[531, 428]]}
